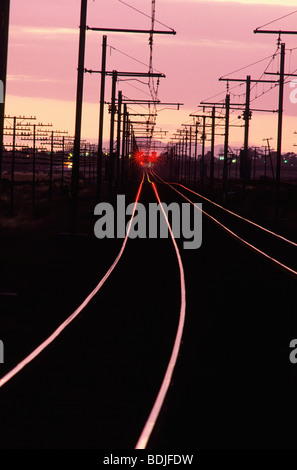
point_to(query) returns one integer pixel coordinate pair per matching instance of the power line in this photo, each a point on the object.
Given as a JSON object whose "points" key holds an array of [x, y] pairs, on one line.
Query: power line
{"points": [[139, 89], [131, 57], [144, 14], [249, 65], [280, 18]]}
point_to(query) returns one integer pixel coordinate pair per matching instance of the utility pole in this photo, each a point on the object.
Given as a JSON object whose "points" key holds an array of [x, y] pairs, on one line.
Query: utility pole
{"points": [[37, 136], [213, 126], [196, 150], [269, 153], [280, 110], [12, 166], [115, 74], [123, 160], [4, 29], [78, 117], [226, 145], [111, 139], [190, 154], [103, 72], [229, 106], [213, 133], [186, 159], [101, 119], [202, 169], [279, 129], [118, 169], [16, 129], [52, 161], [246, 138], [247, 117]]}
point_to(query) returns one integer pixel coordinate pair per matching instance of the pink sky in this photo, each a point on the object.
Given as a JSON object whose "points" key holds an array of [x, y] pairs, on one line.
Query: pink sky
{"points": [[213, 38]]}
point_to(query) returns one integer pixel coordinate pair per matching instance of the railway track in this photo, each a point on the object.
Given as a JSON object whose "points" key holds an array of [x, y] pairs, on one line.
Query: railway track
{"points": [[27, 435], [118, 378], [250, 235]]}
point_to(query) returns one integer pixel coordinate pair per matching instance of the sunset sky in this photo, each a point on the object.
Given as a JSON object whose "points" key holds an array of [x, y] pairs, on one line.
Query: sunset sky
{"points": [[214, 38]]}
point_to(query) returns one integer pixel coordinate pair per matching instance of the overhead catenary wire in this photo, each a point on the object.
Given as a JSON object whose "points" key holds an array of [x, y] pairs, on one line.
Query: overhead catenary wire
{"points": [[277, 19], [144, 14], [249, 65], [133, 58]]}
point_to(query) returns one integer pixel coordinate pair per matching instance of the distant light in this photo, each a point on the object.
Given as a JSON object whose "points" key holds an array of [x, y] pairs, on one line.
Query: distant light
{"points": [[222, 158], [234, 160], [286, 161]]}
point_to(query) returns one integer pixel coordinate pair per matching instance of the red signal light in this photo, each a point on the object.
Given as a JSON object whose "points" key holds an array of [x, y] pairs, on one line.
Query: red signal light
{"points": [[139, 155]]}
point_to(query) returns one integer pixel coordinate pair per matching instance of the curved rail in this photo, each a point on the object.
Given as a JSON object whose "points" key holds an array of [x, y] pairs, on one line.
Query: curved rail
{"points": [[59, 330], [236, 215], [153, 416], [237, 237]]}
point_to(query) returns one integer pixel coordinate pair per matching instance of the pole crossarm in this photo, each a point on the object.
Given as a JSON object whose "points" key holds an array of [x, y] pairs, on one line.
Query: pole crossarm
{"points": [[239, 107], [140, 115], [208, 116], [127, 100], [273, 31], [151, 101], [285, 74], [137, 31], [221, 79], [128, 74]]}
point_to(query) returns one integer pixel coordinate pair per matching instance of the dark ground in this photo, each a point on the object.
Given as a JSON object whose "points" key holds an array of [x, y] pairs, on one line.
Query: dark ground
{"points": [[93, 388]]}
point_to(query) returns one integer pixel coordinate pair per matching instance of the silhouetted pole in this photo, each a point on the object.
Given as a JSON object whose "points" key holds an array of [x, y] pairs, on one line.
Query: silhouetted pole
{"points": [[63, 159], [4, 28], [190, 150], [246, 137], [203, 151], [128, 160], [123, 162], [271, 164], [213, 128], [51, 167], [226, 145], [78, 117], [34, 165], [186, 159], [196, 150], [12, 167], [101, 120], [118, 154], [111, 141], [279, 130], [183, 158]]}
